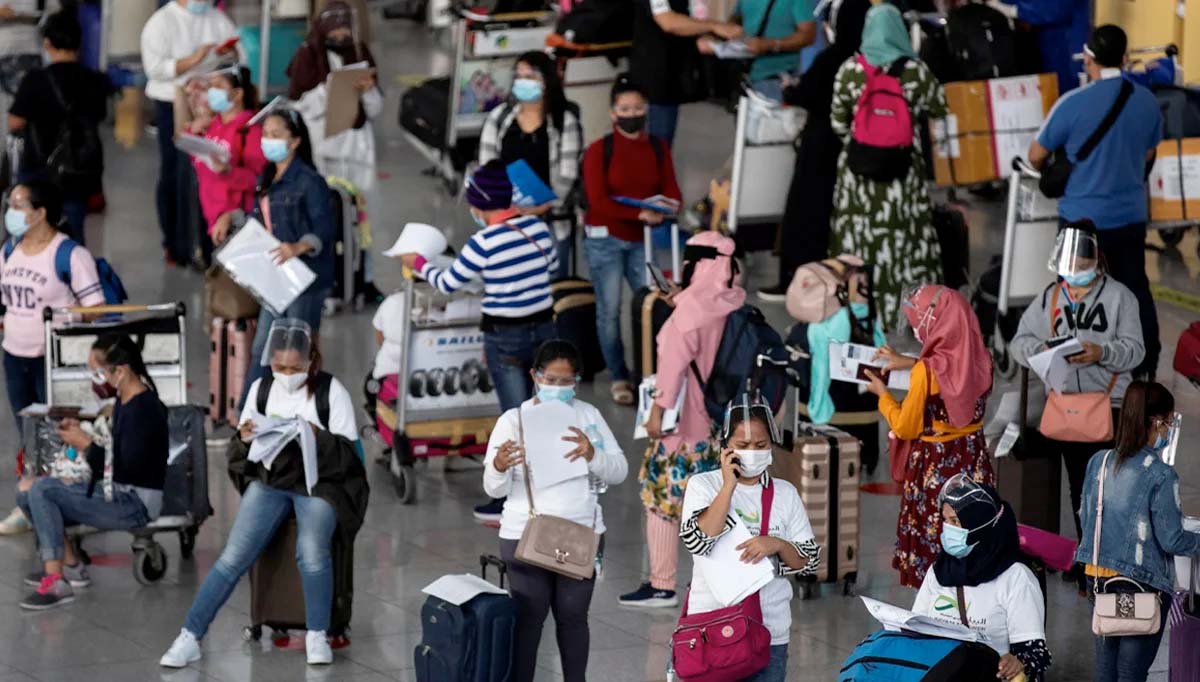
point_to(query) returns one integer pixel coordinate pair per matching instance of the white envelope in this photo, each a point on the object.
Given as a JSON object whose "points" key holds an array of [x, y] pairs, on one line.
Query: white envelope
{"points": [[248, 260], [728, 577], [545, 424]]}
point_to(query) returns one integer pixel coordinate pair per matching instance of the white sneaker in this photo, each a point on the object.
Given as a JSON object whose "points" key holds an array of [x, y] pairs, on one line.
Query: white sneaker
{"points": [[317, 646], [15, 523], [185, 650]]}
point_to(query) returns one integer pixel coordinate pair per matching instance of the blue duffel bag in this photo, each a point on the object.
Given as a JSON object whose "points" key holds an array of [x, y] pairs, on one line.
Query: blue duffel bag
{"points": [[908, 657]]}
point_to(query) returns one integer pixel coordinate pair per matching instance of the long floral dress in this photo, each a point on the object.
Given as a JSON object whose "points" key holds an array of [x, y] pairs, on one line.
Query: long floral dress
{"points": [[889, 224], [665, 473]]}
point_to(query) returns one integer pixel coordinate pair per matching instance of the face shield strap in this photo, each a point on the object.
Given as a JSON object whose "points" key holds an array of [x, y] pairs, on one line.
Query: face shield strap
{"points": [[288, 334], [1174, 422], [928, 317]]}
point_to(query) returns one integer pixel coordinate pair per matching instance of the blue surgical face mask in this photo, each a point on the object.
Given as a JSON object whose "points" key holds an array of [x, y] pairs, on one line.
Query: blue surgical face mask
{"points": [[198, 6], [548, 394], [527, 89], [16, 223], [954, 541], [274, 150], [1080, 279], [218, 100], [478, 218], [1161, 442]]}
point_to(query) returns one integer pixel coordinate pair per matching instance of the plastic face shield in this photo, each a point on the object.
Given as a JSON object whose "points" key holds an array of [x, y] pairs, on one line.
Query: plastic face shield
{"points": [[1173, 422], [961, 490], [740, 412], [909, 294], [288, 334], [1075, 252]]}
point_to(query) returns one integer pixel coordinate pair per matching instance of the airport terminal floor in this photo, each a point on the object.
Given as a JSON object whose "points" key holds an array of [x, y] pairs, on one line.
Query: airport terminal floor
{"points": [[117, 629]]}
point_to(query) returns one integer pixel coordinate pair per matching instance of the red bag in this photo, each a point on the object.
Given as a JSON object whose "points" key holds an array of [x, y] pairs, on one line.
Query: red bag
{"points": [[898, 453], [728, 644], [1187, 353]]}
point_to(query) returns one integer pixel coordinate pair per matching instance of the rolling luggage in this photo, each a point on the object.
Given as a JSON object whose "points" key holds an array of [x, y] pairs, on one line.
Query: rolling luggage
{"points": [[228, 366], [909, 657], [471, 642], [185, 489], [650, 311], [823, 464], [575, 321], [349, 258], [276, 594], [953, 237], [424, 113], [982, 43], [1184, 664], [1027, 478]]}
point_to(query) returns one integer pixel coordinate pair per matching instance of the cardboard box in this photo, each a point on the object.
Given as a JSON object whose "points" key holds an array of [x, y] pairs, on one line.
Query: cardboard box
{"points": [[1175, 181], [990, 122]]}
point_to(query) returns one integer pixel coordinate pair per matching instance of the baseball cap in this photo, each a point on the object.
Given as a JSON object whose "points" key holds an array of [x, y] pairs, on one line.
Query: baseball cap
{"points": [[1107, 45]]}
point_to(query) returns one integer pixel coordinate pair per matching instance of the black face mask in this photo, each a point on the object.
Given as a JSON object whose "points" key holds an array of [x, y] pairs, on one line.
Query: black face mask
{"points": [[338, 43], [631, 124]]}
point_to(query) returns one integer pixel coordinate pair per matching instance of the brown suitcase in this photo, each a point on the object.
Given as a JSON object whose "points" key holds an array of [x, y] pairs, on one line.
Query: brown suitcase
{"points": [[276, 594], [823, 464], [216, 372]]}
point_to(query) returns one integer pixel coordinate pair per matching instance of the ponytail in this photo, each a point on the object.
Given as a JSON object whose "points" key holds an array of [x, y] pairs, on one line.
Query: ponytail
{"points": [[118, 350]]}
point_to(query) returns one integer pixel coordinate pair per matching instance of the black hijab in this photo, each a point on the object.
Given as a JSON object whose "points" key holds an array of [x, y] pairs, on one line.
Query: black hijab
{"points": [[815, 91], [999, 545]]}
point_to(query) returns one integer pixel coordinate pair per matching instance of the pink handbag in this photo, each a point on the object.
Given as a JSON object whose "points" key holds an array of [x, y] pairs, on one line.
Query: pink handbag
{"points": [[728, 644], [1078, 417]]}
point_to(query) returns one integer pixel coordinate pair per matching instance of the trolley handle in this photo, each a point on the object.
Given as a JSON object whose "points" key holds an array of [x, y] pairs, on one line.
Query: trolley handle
{"points": [[1024, 168], [175, 309], [470, 15], [1170, 50]]}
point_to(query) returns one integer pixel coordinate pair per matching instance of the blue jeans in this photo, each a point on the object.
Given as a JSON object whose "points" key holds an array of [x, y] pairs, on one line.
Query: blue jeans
{"points": [[306, 307], [662, 121], [609, 260], [75, 214], [1128, 659], [509, 352], [776, 670], [51, 504], [771, 88], [25, 381], [262, 511]]}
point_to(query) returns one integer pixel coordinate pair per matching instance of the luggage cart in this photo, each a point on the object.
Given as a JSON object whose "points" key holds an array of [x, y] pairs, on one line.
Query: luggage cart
{"points": [[764, 157], [443, 402], [485, 51]]}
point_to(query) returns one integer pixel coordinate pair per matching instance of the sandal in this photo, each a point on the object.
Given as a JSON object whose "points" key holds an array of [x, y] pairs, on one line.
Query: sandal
{"points": [[622, 393]]}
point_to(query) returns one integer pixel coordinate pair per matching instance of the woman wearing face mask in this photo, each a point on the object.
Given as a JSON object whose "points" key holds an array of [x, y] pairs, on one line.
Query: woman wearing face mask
{"points": [[228, 187], [537, 591], [716, 501], [130, 498], [327, 496], [1086, 304], [32, 280], [1142, 527], [941, 417], [627, 162], [542, 128], [294, 204], [980, 575]]}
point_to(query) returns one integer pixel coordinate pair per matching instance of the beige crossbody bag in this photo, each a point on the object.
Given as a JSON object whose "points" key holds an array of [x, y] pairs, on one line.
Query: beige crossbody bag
{"points": [[1120, 614], [554, 543]]}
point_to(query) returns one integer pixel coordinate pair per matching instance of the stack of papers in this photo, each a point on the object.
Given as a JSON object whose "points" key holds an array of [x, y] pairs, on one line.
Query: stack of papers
{"points": [[545, 424], [849, 362], [211, 152], [670, 418], [1052, 366], [896, 619], [248, 260], [658, 202], [272, 435], [529, 191], [728, 577], [460, 589], [732, 49]]}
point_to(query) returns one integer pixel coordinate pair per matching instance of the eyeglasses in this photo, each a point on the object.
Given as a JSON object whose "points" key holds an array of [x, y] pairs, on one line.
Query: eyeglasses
{"points": [[556, 381]]}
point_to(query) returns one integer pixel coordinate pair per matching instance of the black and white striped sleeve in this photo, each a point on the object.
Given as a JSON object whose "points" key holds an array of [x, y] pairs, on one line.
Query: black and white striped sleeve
{"points": [[807, 549], [1035, 656], [695, 540]]}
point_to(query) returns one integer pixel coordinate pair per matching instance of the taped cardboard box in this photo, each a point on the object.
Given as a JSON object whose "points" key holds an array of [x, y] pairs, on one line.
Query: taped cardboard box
{"points": [[990, 122], [1175, 181]]}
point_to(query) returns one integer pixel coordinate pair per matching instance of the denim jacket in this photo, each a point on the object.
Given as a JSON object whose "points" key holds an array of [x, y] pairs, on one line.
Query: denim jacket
{"points": [[1143, 526], [301, 210]]}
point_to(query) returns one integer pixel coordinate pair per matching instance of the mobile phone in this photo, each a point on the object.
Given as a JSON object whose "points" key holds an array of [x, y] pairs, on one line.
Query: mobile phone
{"points": [[1057, 341], [228, 43], [60, 412], [861, 373], [660, 280]]}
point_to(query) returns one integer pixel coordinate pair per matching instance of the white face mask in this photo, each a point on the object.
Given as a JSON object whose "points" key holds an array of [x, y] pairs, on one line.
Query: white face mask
{"points": [[290, 382], [753, 462]]}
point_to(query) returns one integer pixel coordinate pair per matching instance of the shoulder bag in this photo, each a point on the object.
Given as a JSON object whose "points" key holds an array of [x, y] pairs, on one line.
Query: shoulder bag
{"points": [[1077, 417], [553, 543], [1057, 170], [727, 644], [1120, 614]]}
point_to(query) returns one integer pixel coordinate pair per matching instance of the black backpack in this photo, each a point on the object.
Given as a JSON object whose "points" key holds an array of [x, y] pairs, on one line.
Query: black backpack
{"points": [[78, 151], [982, 43], [598, 22], [746, 336], [324, 381]]}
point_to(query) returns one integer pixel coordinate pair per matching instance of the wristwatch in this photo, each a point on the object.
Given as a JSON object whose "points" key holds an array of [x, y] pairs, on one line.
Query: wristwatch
{"points": [[775, 46]]}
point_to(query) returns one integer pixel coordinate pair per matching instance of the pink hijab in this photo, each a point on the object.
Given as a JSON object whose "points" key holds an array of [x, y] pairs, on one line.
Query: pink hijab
{"points": [[709, 297], [951, 348]]}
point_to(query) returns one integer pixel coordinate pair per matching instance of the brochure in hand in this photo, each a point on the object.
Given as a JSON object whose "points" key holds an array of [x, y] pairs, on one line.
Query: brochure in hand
{"points": [[658, 202], [528, 189]]}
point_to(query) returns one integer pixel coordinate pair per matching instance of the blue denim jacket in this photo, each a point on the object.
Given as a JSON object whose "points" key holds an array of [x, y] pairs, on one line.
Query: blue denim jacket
{"points": [[301, 209], [1143, 526]]}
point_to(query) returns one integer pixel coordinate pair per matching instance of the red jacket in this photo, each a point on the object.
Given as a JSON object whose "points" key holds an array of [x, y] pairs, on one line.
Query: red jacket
{"points": [[634, 171], [221, 193]]}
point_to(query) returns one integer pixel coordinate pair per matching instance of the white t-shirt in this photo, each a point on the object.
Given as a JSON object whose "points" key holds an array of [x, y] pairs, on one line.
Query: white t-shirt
{"points": [[1004, 611], [303, 404], [389, 320], [173, 33], [789, 522]]}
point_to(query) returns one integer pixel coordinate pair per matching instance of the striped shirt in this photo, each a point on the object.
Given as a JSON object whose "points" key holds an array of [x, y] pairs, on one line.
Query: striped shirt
{"points": [[513, 258]]}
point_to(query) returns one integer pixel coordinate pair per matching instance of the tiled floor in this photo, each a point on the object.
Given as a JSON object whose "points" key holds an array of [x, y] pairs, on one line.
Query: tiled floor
{"points": [[117, 629]]}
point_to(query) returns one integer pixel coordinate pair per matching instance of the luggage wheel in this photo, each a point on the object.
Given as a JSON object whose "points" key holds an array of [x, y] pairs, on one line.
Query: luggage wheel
{"points": [[187, 541], [848, 587], [808, 589], [1172, 237], [1006, 367], [252, 633], [149, 562], [404, 479]]}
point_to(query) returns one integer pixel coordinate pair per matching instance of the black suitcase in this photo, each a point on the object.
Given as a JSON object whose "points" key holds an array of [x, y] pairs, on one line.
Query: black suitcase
{"points": [[575, 321], [185, 489], [597, 22], [424, 111], [954, 240], [982, 42], [406, 9], [349, 259], [468, 643], [650, 311]]}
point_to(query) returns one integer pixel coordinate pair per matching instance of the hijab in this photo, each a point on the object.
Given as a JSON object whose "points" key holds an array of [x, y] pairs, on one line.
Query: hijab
{"points": [[310, 67], [714, 290], [885, 37], [997, 543], [951, 348]]}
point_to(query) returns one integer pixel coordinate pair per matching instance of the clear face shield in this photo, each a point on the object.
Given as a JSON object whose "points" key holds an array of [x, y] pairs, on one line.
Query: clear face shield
{"points": [[289, 343], [961, 491], [1173, 422], [741, 411], [1076, 254], [908, 297]]}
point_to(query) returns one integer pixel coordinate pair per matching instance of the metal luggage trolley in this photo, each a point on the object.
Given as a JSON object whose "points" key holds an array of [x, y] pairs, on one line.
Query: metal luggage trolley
{"points": [[160, 331], [764, 158], [486, 48], [444, 402]]}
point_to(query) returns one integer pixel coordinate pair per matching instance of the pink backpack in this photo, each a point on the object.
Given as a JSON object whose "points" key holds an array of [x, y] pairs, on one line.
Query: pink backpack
{"points": [[882, 139]]}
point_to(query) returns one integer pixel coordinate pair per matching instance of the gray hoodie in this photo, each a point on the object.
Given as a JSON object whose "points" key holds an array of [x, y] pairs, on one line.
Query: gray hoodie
{"points": [[1107, 316]]}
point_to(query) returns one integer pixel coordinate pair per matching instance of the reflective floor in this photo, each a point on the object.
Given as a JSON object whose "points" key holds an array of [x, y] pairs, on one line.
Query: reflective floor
{"points": [[116, 629]]}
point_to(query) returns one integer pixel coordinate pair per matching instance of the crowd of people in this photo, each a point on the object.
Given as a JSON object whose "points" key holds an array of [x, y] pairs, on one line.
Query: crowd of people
{"points": [[699, 478]]}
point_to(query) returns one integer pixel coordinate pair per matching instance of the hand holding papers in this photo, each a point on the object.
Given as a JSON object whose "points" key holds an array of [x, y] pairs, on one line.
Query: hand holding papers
{"points": [[209, 151], [850, 361], [646, 393], [1053, 366], [728, 577], [545, 426], [896, 619], [732, 49], [247, 257], [658, 202], [271, 436]]}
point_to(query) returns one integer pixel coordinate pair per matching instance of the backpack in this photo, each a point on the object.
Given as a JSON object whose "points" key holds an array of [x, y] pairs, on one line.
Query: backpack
{"points": [[734, 372], [78, 150], [597, 22], [910, 657], [656, 143], [981, 43], [110, 283], [882, 141], [821, 288]]}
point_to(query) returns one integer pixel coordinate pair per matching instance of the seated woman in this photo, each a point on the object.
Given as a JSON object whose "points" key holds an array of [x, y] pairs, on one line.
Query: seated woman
{"points": [[277, 487], [129, 496], [979, 570], [715, 500]]}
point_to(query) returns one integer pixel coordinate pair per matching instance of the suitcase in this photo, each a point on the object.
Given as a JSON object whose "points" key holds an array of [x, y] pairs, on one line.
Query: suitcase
{"points": [[650, 311], [185, 489], [1029, 480], [911, 657], [349, 258], [217, 390], [1184, 662], [982, 43], [424, 113], [953, 237], [823, 464], [1187, 354], [276, 594], [468, 643], [228, 366], [575, 321]]}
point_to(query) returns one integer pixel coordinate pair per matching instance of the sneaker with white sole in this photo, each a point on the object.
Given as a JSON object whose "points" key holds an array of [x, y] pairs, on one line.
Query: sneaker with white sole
{"points": [[649, 597], [185, 650], [316, 644], [53, 591], [77, 575], [15, 523], [490, 511]]}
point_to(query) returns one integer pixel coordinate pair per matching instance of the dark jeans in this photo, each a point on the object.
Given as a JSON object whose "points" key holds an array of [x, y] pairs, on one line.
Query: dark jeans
{"points": [[1128, 659], [776, 670], [1124, 249], [1076, 457], [25, 381], [75, 213], [509, 351], [167, 190], [662, 120], [537, 592]]}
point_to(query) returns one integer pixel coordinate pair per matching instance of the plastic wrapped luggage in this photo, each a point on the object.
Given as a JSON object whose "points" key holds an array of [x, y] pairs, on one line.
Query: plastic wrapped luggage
{"points": [[472, 642], [909, 657], [349, 258], [575, 321], [228, 366], [185, 490]]}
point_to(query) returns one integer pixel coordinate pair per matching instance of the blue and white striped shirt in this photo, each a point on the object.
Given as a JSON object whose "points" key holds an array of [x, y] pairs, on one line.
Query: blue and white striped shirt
{"points": [[514, 258]]}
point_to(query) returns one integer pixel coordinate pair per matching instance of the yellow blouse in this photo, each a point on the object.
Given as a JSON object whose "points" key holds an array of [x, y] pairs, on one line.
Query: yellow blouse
{"points": [[907, 419]]}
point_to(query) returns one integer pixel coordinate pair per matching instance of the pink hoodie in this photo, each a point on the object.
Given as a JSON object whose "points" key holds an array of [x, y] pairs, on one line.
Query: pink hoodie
{"points": [[693, 332], [221, 193]]}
